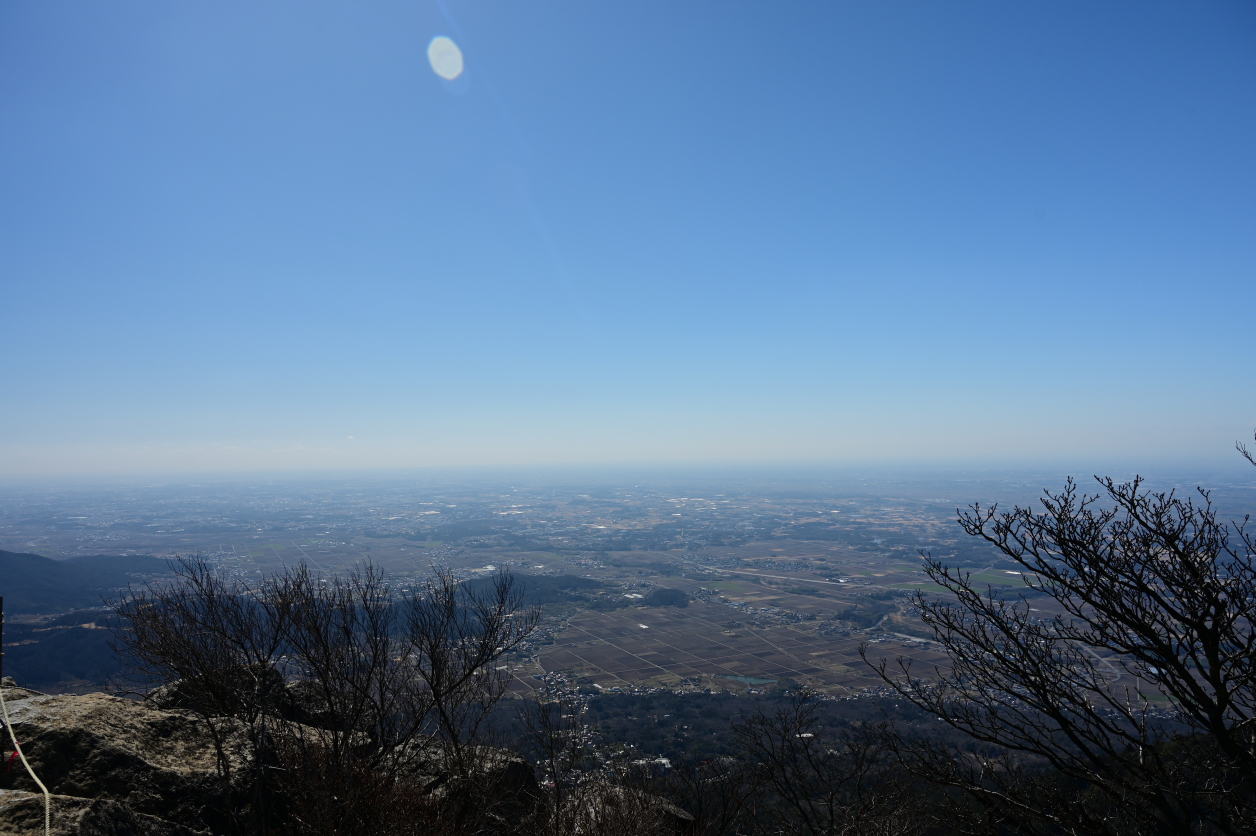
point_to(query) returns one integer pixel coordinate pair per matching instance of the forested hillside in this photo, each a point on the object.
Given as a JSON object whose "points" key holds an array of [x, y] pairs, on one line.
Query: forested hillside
{"points": [[31, 583]]}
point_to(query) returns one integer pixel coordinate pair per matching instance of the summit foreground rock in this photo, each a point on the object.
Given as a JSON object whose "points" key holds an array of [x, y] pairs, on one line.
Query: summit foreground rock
{"points": [[117, 766]]}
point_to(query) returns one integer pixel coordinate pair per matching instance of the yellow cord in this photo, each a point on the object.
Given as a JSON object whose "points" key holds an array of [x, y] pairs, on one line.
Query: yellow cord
{"points": [[13, 736]]}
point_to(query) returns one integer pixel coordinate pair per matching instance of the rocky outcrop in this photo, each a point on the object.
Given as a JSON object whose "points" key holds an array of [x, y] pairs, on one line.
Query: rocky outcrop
{"points": [[298, 701], [508, 777], [22, 814], [223, 694], [304, 703], [504, 783], [118, 767], [618, 809], [139, 767]]}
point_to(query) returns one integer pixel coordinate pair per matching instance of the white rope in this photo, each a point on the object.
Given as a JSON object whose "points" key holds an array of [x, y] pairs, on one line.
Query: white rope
{"points": [[13, 736]]}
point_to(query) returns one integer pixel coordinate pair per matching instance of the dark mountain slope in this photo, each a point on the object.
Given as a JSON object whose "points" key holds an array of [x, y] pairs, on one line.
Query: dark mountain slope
{"points": [[70, 651], [32, 584]]}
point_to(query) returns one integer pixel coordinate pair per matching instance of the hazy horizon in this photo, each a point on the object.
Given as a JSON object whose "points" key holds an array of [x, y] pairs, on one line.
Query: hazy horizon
{"points": [[875, 477]]}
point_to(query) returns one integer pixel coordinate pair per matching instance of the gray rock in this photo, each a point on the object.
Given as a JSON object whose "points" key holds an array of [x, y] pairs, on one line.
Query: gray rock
{"points": [[304, 703], [225, 694], [22, 814], [628, 810], [119, 767], [155, 763], [502, 774], [173, 695], [508, 783]]}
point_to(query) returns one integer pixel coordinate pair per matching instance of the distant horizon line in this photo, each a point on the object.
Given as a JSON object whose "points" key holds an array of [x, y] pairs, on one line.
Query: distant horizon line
{"points": [[1117, 465]]}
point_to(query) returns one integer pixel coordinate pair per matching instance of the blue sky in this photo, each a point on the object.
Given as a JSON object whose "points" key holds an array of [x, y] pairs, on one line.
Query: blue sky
{"points": [[266, 236]]}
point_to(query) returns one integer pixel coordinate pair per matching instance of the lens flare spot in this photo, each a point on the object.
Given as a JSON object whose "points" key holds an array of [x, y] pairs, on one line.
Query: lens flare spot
{"points": [[445, 58]]}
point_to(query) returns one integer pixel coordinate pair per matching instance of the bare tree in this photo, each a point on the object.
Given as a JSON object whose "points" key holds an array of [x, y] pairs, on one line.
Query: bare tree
{"points": [[826, 781], [1154, 600], [588, 790], [725, 795], [458, 633], [356, 715], [212, 644], [562, 748], [627, 803], [366, 710]]}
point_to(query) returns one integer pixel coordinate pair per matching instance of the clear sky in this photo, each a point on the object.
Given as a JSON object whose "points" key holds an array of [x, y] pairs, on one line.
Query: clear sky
{"points": [[267, 235]]}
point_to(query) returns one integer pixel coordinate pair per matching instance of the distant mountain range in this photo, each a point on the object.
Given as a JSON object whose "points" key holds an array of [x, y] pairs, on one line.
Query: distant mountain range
{"points": [[32, 584]]}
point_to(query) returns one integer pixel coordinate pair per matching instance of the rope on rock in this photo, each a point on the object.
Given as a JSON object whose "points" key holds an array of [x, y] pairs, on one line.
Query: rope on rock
{"points": [[4, 709]]}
